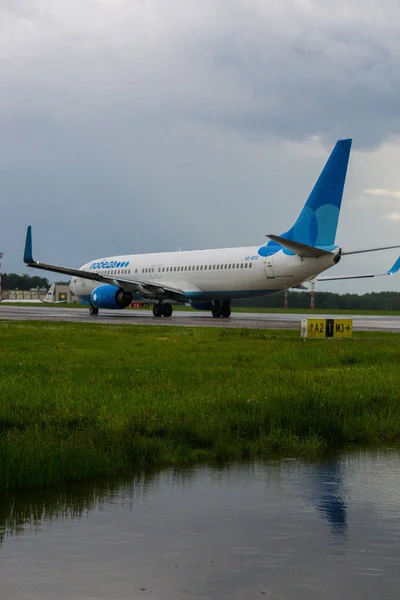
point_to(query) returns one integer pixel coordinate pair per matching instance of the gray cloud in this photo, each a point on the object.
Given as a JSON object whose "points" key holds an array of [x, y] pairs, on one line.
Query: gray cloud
{"points": [[146, 126]]}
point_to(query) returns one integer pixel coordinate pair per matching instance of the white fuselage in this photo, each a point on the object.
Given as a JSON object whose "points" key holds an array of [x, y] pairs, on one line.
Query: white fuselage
{"points": [[225, 273]]}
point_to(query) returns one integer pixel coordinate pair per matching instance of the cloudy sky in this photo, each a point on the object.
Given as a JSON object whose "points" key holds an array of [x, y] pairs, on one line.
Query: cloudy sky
{"points": [[149, 125]]}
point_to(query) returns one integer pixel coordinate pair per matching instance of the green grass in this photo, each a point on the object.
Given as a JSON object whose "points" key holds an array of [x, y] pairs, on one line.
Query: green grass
{"points": [[83, 400]]}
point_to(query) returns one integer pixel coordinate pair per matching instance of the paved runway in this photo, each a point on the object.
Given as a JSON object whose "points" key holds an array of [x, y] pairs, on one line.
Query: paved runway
{"points": [[189, 318]]}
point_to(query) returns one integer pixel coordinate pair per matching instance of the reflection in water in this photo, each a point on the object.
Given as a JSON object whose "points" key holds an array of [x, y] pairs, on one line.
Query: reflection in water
{"points": [[23, 510], [328, 495], [240, 531]]}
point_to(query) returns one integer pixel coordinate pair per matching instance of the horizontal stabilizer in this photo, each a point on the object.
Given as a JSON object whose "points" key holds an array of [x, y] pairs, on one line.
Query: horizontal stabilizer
{"points": [[302, 250], [394, 269]]}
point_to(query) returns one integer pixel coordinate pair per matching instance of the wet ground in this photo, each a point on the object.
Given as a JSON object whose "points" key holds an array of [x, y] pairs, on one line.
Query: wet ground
{"points": [[283, 528]]}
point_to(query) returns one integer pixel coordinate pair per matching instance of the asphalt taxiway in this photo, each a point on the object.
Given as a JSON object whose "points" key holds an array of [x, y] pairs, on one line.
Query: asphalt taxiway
{"points": [[190, 318]]}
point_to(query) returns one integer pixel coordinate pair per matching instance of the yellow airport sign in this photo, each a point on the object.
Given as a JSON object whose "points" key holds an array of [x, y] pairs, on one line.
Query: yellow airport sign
{"points": [[322, 328]]}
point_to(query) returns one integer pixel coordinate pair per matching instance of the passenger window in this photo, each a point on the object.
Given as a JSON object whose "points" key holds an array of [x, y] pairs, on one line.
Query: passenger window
{"points": [[246, 265], [205, 267], [241, 266], [250, 265], [175, 268]]}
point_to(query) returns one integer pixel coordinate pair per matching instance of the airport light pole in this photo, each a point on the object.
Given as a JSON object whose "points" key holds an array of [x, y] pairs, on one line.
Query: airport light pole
{"points": [[312, 303], [1, 291]]}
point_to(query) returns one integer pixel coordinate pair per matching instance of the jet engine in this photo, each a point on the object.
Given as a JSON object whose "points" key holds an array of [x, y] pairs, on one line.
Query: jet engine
{"points": [[110, 296]]}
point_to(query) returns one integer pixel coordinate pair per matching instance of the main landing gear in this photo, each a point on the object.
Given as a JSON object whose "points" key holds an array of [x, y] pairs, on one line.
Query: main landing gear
{"points": [[162, 309], [221, 309], [93, 310]]}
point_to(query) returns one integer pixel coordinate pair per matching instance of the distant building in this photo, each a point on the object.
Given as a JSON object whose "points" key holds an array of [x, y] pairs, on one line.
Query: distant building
{"points": [[61, 293]]}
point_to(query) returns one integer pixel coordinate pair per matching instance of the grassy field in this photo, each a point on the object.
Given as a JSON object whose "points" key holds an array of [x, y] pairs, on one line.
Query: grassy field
{"points": [[83, 400]]}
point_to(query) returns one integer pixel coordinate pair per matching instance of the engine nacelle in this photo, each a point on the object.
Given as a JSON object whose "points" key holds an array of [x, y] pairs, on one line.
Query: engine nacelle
{"points": [[202, 305], [110, 296]]}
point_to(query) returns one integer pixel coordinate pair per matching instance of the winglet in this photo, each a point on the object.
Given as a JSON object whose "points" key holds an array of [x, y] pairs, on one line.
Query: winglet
{"points": [[28, 258], [395, 267]]}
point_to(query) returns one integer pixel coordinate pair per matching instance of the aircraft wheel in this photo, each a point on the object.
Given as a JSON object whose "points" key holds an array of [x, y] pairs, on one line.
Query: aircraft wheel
{"points": [[167, 309], [225, 311], [216, 310], [93, 310], [157, 310]]}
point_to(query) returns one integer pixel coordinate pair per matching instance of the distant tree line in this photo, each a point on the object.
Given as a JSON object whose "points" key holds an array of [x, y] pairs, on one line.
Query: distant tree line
{"points": [[13, 281], [372, 301], [328, 300]]}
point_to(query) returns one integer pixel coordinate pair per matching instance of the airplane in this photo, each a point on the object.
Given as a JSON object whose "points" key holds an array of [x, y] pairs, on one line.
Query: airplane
{"points": [[49, 297], [211, 279]]}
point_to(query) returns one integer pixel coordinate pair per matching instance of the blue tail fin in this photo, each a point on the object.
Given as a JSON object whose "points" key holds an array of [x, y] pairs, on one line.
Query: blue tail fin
{"points": [[317, 223]]}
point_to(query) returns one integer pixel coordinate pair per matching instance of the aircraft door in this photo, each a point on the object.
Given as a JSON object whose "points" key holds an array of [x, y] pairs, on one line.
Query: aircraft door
{"points": [[269, 268]]}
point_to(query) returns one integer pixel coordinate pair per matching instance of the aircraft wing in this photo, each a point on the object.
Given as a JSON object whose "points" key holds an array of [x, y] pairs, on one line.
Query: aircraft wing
{"points": [[394, 269], [150, 289], [362, 250]]}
